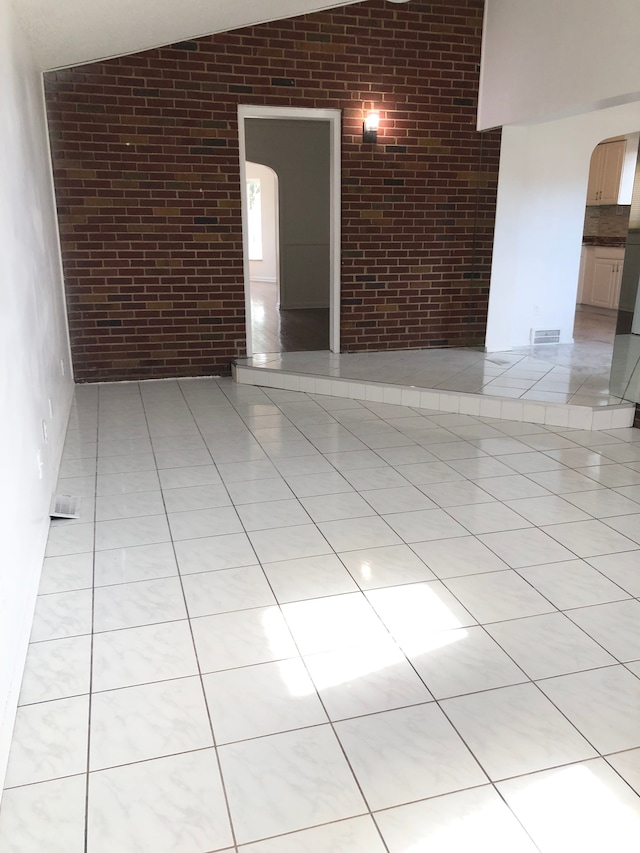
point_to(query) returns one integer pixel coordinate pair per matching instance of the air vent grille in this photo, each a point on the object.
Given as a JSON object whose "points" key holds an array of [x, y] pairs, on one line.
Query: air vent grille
{"points": [[546, 336]]}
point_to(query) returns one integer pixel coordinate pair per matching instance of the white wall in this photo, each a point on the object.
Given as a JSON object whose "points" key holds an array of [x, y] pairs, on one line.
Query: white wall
{"points": [[539, 221], [559, 78], [267, 268], [544, 59], [33, 340]]}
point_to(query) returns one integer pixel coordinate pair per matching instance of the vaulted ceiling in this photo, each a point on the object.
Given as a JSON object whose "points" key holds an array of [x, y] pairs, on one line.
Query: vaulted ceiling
{"points": [[70, 32]]}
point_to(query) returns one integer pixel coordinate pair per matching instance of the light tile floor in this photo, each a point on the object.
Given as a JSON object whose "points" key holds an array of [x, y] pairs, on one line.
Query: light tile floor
{"points": [[297, 624]]}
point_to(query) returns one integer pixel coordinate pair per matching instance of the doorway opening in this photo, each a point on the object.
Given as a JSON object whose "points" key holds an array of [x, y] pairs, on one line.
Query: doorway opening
{"points": [[290, 168], [609, 190]]}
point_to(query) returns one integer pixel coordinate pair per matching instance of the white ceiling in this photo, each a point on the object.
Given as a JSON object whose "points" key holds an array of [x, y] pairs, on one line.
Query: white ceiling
{"points": [[71, 32]]}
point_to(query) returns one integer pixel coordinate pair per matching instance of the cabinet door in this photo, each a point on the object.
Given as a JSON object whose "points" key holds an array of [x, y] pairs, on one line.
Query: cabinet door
{"points": [[613, 158], [595, 175], [602, 282], [617, 281]]}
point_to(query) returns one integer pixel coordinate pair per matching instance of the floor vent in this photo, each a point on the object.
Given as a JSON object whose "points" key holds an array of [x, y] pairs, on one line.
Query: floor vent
{"points": [[64, 506], [545, 336]]}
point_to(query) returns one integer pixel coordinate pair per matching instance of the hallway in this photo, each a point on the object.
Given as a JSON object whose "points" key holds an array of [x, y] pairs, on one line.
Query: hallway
{"points": [[290, 330], [289, 623]]}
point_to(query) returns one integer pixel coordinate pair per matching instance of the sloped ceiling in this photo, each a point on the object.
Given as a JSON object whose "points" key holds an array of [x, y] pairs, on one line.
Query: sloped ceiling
{"points": [[71, 32]]}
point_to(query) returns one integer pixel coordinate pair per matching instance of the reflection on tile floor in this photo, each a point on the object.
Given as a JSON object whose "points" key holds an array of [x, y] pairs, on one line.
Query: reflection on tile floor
{"points": [[289, 623], [575, 374]]}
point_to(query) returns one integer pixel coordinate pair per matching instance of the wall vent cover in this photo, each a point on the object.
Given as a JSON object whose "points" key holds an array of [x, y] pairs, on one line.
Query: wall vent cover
{"points": [[64, 506], [546, 336]]}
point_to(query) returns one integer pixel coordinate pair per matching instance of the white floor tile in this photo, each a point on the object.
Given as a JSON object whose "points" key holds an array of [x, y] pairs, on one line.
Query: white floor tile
{"points": [[275, 489], [627, 765], [289, 543], [365, 679], [129, 505], [288, 782], [515, 730], [200, 523], [622, 569], [494, 596], [519, 548], [387, 566], [548, 645], [139, 603], [56, 669], [412, 612], [549, 510], [125, 532], [309, 577], [465, 555], [46, 816], [602, 704], [209, 593], [583, 806], [64, 574], [614, 626], [211, 553], [49, 741], [589, 538], [260, 700], [69, 538], [62, 614], [195, 498], [476, 819], [357, 533], [142, 655], [424, 525], [628, 525], [603, 503], [511, 487], [407, 754], [179, 478], [341, 506], [338, 622], [164, 805], [355, 835], [262, 516], [488, 517], [120, 730], [242, 638], [463, 660], [136, 563], [458, 493], [376, 478], [330, 483], [572, 584], [120, 484], [427, 473]]}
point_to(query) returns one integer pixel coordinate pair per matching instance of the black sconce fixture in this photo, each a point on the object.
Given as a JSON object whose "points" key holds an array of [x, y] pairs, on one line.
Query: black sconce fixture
{"points": [[370, 127]]}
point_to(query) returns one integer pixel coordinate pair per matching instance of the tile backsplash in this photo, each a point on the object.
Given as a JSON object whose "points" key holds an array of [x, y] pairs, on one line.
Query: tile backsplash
{"points": [[606, 220]]}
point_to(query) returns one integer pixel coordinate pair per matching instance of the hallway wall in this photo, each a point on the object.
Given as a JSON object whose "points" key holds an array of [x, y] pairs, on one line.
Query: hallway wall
{"points": [[147, 178], [33, 341]]}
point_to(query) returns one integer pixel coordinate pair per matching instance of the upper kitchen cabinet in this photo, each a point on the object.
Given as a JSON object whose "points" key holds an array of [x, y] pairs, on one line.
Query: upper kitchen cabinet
{"points": [[612, 170]]}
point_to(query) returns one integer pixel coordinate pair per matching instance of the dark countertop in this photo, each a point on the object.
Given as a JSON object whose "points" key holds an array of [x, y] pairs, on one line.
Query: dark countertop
{"points": [[619, 242]]}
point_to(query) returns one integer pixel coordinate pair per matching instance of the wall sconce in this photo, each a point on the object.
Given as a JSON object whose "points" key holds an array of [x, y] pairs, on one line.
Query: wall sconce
{"points": [[370, 127]]}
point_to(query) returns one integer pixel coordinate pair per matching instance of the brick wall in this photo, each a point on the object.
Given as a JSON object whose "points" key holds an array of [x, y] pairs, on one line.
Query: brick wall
{"points": [[145, 153]]}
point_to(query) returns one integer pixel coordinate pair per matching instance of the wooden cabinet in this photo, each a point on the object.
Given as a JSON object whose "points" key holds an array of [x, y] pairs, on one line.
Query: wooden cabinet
{"points": [[605, 172], [600, 276]]}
